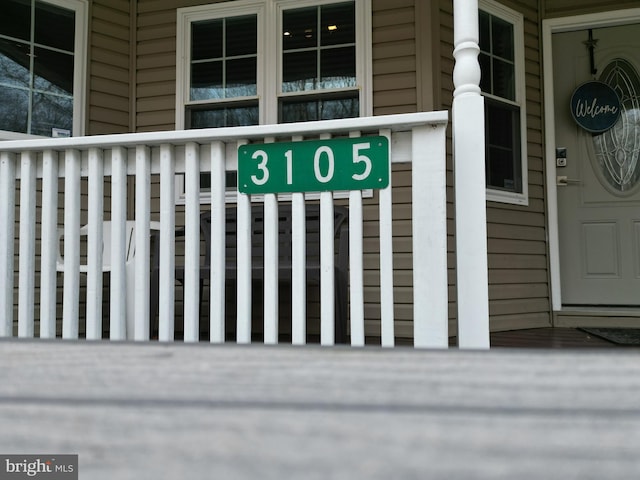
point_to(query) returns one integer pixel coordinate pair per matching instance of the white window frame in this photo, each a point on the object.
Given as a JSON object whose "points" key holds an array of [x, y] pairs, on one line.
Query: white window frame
{"points": [[80, 7], [516, 19], [269, 62]]}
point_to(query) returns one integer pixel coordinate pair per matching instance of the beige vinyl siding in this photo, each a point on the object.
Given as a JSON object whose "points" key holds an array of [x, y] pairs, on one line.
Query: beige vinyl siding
{"points": [[109, 69], [517, 247], [394, 57], [394, 68], [156, 64]]}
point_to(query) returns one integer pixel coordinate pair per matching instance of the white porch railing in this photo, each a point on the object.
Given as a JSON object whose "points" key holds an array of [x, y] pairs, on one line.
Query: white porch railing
{"points": [[31, 169]]}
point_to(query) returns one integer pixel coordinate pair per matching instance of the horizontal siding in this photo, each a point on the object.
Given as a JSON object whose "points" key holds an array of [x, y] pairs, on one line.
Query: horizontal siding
{"points": [[109, 69], [394, 57], [156, 65]]}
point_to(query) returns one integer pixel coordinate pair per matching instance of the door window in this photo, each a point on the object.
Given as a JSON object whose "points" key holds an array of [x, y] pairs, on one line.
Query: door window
{"points": [[617, 150]]}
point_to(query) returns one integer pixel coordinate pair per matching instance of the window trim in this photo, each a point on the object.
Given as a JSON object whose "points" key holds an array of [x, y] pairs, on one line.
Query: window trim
{"points": [[516, 19], [189, 15], [269, 61], [81, 10], [268, 80]]}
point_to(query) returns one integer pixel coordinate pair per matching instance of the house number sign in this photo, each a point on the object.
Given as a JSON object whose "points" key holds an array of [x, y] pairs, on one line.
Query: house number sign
{"points": [[595, 106], [314, 166]]}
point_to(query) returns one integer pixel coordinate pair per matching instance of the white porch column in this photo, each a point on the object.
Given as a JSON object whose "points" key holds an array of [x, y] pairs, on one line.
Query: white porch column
{"points": [[469, 175]]}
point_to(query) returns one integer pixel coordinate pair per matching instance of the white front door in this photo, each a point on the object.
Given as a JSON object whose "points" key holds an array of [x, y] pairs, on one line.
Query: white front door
{"points": [[599, 188]]}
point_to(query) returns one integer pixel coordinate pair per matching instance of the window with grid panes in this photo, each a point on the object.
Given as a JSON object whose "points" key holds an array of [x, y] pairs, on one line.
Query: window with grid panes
{"points": [[502, 84], [40, 66], [271, 61]]}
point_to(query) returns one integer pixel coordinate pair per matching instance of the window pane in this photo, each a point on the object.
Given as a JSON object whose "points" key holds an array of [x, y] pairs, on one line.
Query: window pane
{"points": [[223, 117], [504, 82], [500, 172], [14, 64], [241, 77], [500, 127], [338, 24], [206, 81], [241, 36], [342, 108], [503, 146], [308, 110], [54, 26], [338, 68], [53, 71], [299, 71], [299, 28], [502, 38], [206, 40], [14, 104], [15, 20], [51, 111]]}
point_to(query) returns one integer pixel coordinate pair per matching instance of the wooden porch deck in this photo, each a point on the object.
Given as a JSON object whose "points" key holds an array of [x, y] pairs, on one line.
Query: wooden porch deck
{"points": [[549, 338], [167, 411]]}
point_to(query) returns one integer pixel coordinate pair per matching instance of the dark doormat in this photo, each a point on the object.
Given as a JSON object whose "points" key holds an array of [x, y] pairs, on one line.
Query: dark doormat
{"points": [[620, 336]]}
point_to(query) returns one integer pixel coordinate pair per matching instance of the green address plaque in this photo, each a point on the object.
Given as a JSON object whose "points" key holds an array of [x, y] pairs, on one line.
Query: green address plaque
{"points": [[314, 165]]}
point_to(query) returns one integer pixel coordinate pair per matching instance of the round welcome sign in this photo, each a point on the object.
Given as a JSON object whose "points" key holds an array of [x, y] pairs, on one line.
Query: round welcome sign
{"points": [[595, 106]]}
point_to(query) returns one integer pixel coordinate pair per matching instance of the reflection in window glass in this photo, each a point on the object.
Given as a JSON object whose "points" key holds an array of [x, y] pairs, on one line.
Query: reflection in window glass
{"points": [[312, 60], [13, 105], [338, 68], [53, 72], [223, 116], [302, 110], [299, 71], [224, 58], [36, 82], [14, 64], [49, 112]]}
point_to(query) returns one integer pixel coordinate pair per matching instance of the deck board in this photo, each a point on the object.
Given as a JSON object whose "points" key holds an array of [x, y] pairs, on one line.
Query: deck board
{"points": [[245, 412]]}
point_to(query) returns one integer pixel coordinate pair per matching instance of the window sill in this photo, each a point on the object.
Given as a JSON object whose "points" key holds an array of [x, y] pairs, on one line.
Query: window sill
{"points": [[512, 198]]}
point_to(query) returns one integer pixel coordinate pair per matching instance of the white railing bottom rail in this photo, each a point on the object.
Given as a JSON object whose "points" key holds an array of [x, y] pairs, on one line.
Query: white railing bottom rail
{"points": [[59, 285]]}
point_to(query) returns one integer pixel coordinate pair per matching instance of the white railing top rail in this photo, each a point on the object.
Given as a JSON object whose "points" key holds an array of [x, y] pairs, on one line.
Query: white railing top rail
{"points": [[399, 122]]}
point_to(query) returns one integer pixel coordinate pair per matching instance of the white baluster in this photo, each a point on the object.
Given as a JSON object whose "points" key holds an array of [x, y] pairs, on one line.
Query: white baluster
{"points": [[48, 244], [27, 260], [120, 295], [71, 296], [7, 227], [192, 244], [167, 261], [218, 239]]}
